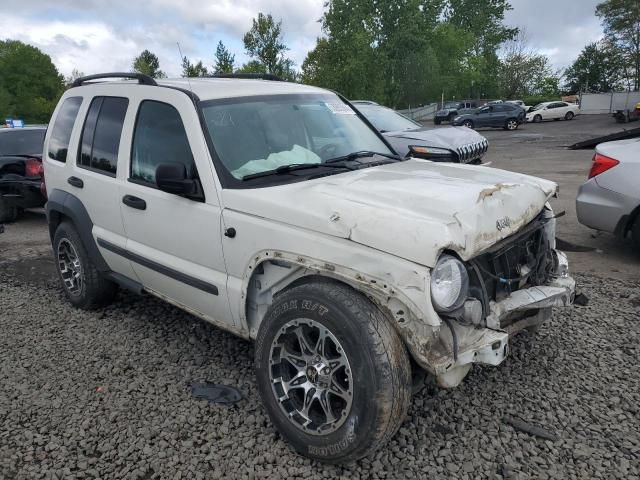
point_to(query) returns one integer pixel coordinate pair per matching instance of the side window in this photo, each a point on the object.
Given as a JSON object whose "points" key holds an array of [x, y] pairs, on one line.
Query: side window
{"points": [[61, 133], [159, 137], [101, 134]]}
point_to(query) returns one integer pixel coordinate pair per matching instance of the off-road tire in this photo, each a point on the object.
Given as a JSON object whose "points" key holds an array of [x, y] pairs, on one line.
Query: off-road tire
{"points": [[467, 123], [635, 233], [537, 119], [437, 121], [7, 213], [569, 116], [95, 291], [378, 359]]}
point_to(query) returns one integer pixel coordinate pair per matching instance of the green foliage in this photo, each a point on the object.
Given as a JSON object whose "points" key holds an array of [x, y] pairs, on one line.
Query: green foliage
{"points": [[30, 84], [224, 59], [148, 64], [598, 68], [264, 44], [193, 69], [408, 52], [621, 20]]}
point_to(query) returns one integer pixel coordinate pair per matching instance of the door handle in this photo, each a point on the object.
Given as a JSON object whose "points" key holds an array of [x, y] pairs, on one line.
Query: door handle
{"points": [[75, 181], [134, 202]]}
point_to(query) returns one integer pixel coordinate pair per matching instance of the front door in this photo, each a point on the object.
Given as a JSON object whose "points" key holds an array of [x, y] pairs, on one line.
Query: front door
{"points": [[173, 241]]}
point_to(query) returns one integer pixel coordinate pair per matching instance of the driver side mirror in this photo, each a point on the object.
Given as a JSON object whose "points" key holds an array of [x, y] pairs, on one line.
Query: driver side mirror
{"points": [[172, 178]]}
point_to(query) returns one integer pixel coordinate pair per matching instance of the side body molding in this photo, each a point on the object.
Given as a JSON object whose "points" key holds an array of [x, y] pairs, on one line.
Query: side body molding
{"points": [[61, 203]]}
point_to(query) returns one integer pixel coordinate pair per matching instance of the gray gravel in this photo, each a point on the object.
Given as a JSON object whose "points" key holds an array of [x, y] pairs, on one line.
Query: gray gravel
{"points": [[106, 395]]}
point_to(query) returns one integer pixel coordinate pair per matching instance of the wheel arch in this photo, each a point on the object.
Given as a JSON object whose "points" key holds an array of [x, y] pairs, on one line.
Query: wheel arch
{"points": [[271, 273], [63, 206]]}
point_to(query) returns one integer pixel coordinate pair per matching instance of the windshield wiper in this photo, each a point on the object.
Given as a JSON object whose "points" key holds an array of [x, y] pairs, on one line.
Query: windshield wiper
{"points": [[292, 168], [362, 154]]}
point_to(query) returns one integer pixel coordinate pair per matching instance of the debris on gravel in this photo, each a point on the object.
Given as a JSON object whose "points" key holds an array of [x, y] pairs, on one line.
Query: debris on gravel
{"points": [[106, 394]]}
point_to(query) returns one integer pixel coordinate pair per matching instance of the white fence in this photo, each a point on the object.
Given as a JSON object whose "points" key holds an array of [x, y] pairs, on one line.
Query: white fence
{"points": [[425, 112], [592, 103]]}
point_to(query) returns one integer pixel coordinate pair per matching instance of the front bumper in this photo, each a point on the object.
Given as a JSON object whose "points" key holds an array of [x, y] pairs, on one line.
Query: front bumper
{"points": [[459, 346]]}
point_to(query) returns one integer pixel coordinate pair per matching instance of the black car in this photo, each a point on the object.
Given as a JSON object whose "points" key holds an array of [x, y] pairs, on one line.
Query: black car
{"points": [[410, 139], [451, 110], [21, 173], [498, 115]]}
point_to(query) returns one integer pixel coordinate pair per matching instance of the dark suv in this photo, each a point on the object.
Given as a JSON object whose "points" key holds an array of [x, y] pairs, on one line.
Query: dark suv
{"points": [[451, 110], [499, 115]]}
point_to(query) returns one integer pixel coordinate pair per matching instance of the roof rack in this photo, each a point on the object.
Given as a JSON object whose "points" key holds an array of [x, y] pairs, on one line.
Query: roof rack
{"points": [[252, 76], [142, 78]]}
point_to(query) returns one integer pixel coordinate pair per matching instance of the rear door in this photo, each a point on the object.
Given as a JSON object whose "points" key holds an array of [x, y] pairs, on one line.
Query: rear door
{"points": [[94, 174], [499, 115], [174, 242]]}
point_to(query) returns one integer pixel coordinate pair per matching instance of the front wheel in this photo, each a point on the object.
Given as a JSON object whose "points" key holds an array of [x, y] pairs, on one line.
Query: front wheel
{"points": [[512, 124], [467, 123], [569, 116], [332, 372], [537, 119], [437, 121]]}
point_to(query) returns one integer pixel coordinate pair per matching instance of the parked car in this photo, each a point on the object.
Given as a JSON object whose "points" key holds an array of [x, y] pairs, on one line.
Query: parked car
{"points": [[451, 110], [21, 177], [610, 200], [274, 211], [552, 111], [520, 103], [501, 115], [411, 139]]}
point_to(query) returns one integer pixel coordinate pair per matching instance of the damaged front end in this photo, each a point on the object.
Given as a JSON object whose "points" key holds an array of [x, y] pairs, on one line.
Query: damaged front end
{"points": [[511, 286]]}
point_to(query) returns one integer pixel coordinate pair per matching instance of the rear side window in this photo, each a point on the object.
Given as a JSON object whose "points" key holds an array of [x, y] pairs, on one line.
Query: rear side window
{"points": [[159, 137], [62, 127], [101, 134]]}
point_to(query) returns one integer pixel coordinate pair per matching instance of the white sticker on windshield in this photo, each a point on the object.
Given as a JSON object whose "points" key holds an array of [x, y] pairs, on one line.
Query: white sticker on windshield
{"points": [[339, 108]]}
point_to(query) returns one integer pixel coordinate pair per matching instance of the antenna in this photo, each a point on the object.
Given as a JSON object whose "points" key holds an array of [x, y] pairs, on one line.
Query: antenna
{"points": [[181, 60]]}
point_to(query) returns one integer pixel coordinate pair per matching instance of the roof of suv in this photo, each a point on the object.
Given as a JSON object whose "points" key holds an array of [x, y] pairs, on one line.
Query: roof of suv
{"points": [[214, 88]]}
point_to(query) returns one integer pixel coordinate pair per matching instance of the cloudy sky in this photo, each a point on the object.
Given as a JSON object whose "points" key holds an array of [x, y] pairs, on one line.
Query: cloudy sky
{"points": [[105, 35]]}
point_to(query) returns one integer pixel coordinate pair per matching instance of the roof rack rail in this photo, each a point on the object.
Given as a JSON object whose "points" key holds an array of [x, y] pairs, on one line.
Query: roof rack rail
{"points": [[252, 76], [142, 78]]}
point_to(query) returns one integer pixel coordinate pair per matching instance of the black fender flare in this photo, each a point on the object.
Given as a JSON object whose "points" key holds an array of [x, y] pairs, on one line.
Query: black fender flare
{"points": [[61, 203]]}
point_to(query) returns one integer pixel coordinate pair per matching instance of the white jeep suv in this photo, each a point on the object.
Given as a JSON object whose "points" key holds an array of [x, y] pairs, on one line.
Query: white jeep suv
{"points": [[277, 212]]}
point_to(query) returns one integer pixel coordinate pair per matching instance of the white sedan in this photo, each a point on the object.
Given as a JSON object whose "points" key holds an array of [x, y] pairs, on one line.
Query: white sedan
{"points": [[553, 111]]}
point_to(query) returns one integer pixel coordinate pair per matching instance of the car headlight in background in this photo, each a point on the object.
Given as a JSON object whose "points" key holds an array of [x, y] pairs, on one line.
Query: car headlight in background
{"points": [[449, 284], [430, 152]]}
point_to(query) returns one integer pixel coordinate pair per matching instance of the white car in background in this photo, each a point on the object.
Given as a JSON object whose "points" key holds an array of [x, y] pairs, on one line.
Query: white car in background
{"points": [[553, 111]]}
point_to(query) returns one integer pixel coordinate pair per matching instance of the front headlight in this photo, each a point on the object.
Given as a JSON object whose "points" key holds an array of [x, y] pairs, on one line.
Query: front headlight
{"points": [[430, 152], [449, 284]]}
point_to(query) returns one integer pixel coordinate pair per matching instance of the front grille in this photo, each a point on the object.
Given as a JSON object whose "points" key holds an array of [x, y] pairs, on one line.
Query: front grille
{"points": [[520, 261], [471, 151]]}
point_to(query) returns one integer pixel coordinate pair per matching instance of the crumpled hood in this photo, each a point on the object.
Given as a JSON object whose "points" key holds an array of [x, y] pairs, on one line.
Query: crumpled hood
{"points": [[448, 137], [413, 209]]}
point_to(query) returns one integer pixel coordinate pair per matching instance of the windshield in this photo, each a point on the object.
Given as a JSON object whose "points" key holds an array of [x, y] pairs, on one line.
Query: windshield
{"points": [[538, 106], [259, 134], [387, 120], [21, 142], [450, 105]]}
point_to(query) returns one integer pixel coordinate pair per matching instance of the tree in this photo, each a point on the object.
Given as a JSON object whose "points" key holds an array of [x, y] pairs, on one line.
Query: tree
{"points": [[524, 72], [75, 74], [224, 59], [621, 20], [193, 69], [264, 44], [147, 63], [30, 84], [598, 68]]}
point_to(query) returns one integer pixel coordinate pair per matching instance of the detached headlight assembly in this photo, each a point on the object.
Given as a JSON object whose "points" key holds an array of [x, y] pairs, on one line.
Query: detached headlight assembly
{"points": [[430, 152], [449, 284]]}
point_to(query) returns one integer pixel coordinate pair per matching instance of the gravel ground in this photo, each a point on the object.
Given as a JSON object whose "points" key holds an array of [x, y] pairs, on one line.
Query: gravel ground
{"points": [[106, 395]]}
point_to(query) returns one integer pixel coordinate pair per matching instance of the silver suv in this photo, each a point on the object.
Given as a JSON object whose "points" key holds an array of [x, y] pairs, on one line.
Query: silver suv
{"points": [[276, 212]]}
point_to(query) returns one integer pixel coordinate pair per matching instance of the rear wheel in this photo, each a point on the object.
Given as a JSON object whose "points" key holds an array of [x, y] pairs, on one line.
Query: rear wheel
{"points": [[512, 124], [537, 119], [437, 121], [635, 232], [8, 213], [569, 116], [83, 285], [332, 372], [467, 123]]}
